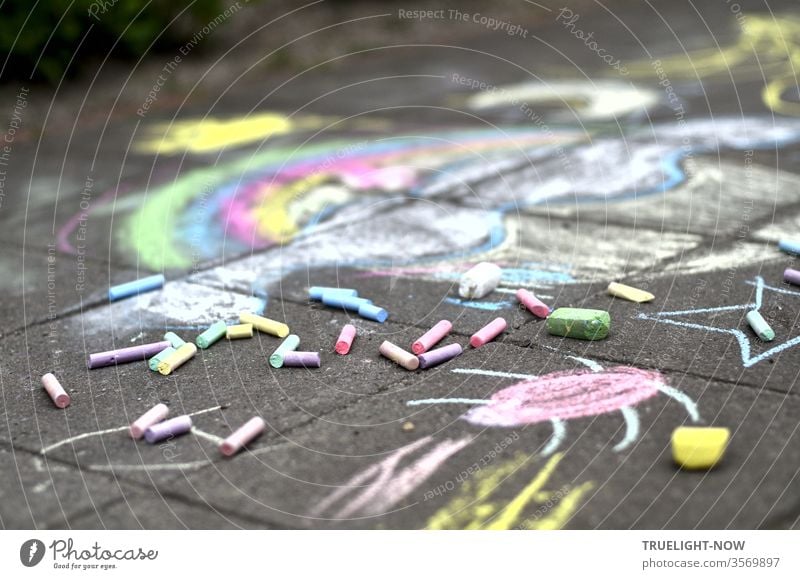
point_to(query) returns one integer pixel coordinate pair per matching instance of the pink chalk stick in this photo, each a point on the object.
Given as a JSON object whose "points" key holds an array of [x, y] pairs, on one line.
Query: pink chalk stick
{"points": [[153, 416], [345, 340], [245, 433], [430, 338], [488, 332], [56, 392], [534, 305]]}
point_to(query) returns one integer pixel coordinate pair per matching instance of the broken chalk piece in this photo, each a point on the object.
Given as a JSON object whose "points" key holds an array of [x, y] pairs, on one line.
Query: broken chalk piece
{"points": [[399, 356], [374, 313], [55, 390], [534, 305], [138, 286], [791, 276], [125, 355], [289, 344], [316, 292], [699, 447], [265, 325], [488, 332], [239, 331], [626, 292], [174, 339], [760, 326], [789, 246], [168, 428], [177, 359], [214, 333], [295, 359], [345, 340], [480, 280], [579, 323], [344, 301], [153, 362], [153, 416], [439, 356], [242, 435], [430, 338]]}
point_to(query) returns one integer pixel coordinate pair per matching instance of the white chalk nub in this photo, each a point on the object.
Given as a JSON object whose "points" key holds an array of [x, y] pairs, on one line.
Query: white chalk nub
{"points": [[480, 280]]}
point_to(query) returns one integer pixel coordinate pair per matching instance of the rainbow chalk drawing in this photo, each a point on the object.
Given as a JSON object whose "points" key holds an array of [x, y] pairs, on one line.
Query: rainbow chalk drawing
{"points": [[474, 508], [674, 318], [562, 396], [378, 488]]}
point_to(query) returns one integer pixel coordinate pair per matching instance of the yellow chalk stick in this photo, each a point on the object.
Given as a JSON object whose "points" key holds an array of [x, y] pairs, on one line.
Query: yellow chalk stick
{"points": [[239, 331], [626, 292], [699, 447], [177, 358], [264, 324]]}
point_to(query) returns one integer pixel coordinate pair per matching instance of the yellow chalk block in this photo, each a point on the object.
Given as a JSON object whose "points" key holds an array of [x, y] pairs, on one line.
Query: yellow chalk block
{"points": [[177, 358], [264, 324], [240, 331], [699, 447], [626, 292]]}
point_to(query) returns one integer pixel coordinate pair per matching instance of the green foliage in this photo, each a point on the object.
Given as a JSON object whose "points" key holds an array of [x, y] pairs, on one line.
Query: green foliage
{"points": [[47, 38]]}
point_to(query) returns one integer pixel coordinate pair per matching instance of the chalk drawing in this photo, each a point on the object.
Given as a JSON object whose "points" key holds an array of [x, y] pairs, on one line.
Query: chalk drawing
{"points": [[561, 396], [598, 100], [476, 508], [742, 338], [379, 487], [767, 50]]}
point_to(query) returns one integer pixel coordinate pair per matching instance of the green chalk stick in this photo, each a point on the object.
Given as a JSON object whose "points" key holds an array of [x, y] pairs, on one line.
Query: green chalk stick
{"points": [[214, 332], [288, 345], [579, 323], [174, 339], [152, 363]]}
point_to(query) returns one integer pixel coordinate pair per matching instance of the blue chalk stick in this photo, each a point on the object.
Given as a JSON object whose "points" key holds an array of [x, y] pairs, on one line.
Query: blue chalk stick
{"points": [[339, 300], [372, 312], [316, 292], [138, 286], [789, 246]]}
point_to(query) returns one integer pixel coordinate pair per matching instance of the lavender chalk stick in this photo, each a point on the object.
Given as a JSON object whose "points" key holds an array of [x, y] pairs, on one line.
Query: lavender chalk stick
{"points": [[791, 276], [301, 359], [125, 355], [439, 355], [168, 429]]}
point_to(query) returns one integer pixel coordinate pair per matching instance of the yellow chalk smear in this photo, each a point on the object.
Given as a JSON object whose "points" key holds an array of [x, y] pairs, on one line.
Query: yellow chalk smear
{"points": [[699, 447], [474, 509], [626, 292]]}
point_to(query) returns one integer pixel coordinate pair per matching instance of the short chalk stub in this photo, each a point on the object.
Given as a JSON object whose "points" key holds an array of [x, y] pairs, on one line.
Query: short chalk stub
{"points": [[533, 304], [153, 416], [153, 362], [345, 340], [289, 344], [167, 429], [760, 326], [55, 391], [488, 333], [177, 359], [439, 356], [399, 356], [174, 339], [580, 323], [239, 331], [626, 292], [242, 436], [791, 276], [699, 447], [264, 325], [213, 334], [480, 280], [432, 337], [296, 359], [789, 246], [373, 312]]}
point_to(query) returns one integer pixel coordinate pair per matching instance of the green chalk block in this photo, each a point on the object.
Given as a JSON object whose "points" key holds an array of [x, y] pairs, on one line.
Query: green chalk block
{"points": [[288, 345], [214, 332], [153, 362], [579, 323]]}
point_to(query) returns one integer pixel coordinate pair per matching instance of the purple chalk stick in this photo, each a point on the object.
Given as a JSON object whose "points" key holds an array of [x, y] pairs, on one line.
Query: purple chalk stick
{"points": [[301, 359], [791, 276], [168, 428], [439, 355], [125, 355]]}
